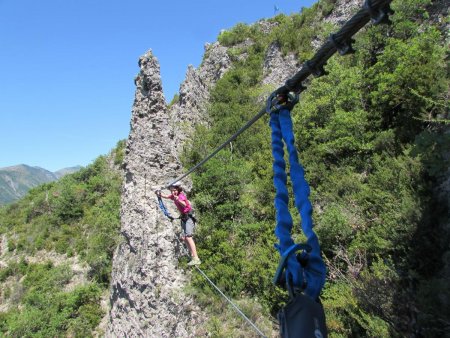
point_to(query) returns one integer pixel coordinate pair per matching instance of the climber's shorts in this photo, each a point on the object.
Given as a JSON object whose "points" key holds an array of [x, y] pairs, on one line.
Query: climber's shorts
{"points": [[188, 225]]}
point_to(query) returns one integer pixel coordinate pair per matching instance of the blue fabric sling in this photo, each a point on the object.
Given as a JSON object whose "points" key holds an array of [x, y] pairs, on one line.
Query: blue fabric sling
{"points": [[309, 275], [164, 209]]}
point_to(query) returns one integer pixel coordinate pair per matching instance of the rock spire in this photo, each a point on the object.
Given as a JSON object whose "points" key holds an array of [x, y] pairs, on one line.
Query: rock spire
{"points": [[147, 297]]}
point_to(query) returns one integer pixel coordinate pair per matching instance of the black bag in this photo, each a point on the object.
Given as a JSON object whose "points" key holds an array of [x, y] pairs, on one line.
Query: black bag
{"points": [[191, 215], [302, 317]]}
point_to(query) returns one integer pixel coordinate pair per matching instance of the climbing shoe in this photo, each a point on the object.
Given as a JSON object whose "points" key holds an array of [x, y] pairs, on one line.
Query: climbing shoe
{"points": [[194, 261]]}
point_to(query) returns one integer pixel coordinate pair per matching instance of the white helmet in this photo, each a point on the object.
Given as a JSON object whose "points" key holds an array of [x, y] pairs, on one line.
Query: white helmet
{"points": [[176, 185]]}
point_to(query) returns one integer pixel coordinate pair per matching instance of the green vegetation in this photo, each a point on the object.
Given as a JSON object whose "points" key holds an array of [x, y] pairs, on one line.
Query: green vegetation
{"points": [[372, 138], [77, 216], [46, 310]]}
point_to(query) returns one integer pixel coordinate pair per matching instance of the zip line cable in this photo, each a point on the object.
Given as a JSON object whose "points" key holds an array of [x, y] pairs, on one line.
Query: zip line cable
{"points": [[376, 10], [239, 311], [231, 139], [232, 304]]}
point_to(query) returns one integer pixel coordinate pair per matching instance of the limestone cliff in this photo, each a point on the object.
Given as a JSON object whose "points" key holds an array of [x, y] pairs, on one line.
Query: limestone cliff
{"points": [[277, 69], [147, 296], [190, 109], [147, 299]]}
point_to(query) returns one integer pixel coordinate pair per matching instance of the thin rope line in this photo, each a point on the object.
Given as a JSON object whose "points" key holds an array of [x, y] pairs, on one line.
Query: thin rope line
{"points": [[224, 296], [232, 138], [229, 301]]}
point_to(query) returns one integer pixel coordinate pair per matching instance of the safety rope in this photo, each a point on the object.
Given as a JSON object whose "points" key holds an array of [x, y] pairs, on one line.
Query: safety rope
{"points": [[376, 10], [164, 209], [219, 148], [231, 303], [236, 308]]}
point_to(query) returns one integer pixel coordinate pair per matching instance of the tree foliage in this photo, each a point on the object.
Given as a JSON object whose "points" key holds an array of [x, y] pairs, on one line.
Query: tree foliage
{"points": [[75, 216]]}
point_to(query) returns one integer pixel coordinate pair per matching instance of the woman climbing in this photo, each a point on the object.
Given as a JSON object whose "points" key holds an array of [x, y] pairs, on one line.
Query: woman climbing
{"points": [[187, 220]]}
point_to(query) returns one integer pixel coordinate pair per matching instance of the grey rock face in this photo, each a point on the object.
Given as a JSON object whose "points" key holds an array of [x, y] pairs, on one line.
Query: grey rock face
{"points": [[343, 10], [194, 93], [277, 69], [147, 297], [266, 27]]}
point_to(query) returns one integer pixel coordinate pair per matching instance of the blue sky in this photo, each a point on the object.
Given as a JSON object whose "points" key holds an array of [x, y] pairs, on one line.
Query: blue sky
{"points": [[67, 67]]}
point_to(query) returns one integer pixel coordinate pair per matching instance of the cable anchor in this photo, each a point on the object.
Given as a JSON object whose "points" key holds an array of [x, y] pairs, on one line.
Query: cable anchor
{"points": [[343, 47], [316, 69], [278, 101], [378, 14]]}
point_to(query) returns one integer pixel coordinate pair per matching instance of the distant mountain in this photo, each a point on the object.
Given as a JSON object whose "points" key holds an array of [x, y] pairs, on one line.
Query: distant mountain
{"points": [[62, 172], [15, 181]]}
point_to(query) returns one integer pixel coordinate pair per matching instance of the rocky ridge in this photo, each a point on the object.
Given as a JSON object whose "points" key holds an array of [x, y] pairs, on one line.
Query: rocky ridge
{"points": [[190, 109], [147, 296], [146, 291]]}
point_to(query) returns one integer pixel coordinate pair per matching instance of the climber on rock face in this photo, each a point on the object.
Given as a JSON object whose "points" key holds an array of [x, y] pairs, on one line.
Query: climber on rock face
{"points": [[187, 219]]}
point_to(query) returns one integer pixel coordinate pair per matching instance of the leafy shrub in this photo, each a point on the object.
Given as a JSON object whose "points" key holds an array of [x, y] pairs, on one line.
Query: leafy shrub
{"points": [[77, 215]]}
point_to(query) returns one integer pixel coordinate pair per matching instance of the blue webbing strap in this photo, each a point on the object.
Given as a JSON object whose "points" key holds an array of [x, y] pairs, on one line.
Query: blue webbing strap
{"points": [[164, 209], [312, 274]]}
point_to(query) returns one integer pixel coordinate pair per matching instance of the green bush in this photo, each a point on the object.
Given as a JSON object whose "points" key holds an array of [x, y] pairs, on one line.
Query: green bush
{"points": [[47, 310], [77, 215]]}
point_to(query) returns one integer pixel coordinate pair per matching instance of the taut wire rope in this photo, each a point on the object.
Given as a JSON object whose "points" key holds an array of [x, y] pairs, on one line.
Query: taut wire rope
{"points": [[376, 10], [236, 308]]}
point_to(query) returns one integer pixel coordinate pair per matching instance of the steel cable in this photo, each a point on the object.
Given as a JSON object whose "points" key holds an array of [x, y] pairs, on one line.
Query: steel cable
{"points": [[380, 8]]}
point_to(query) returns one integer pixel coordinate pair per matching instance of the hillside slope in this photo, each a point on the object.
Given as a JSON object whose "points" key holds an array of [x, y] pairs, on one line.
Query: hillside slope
{"points": [[16, 181], [56, 246], [373, 138], [363, 133]]}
